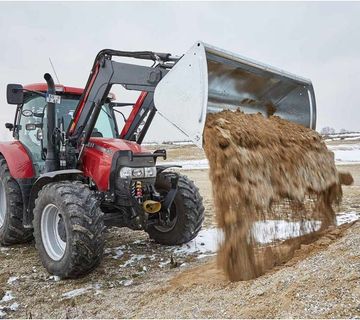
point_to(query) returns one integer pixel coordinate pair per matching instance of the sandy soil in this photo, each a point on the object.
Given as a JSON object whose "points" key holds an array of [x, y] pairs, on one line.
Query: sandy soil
{"points": [[315, 284], [139, 278]]}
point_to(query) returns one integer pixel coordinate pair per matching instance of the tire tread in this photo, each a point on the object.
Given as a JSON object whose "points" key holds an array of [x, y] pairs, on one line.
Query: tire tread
{"points": [[13, 231], [193, 213], [86, 223]]}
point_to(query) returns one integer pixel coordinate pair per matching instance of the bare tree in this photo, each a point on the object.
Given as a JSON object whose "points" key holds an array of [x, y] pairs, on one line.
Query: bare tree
{"points": [[327, 131]]}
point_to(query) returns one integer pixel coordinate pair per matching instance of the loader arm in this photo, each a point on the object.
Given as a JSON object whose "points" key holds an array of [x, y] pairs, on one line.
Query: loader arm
{"points": [[106, 72]]}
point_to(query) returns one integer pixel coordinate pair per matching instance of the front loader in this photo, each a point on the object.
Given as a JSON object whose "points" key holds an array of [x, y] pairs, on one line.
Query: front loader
{"points": [[70, 171]]}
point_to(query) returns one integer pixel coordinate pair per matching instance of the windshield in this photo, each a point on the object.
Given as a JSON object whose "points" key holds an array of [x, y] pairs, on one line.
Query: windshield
{"points": [[34, 112]]}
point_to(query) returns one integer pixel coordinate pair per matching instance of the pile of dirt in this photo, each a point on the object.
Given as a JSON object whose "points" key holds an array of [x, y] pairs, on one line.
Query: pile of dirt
{"points": [[208, 274], [267, 169]]}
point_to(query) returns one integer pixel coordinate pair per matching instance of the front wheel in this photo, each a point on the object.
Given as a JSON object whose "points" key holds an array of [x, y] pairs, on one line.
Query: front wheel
{"points": [[186, 213], [12, 230], [68, 229]]}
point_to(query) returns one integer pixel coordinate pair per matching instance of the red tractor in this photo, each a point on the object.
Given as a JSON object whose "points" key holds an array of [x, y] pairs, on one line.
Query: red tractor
{"points": [[69, 172]]}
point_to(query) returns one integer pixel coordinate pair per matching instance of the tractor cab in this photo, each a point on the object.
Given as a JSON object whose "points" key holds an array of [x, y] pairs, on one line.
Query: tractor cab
{"points": [[30, 123]]}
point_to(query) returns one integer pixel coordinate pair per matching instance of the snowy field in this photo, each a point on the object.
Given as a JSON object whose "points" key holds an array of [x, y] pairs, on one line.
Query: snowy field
{"points": [[207, 241], [344, 154], [264, 232]]}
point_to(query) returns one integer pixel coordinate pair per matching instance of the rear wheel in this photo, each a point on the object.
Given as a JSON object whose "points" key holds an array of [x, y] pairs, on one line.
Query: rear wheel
{"points": [[68, 229], [11, 209], [186, 212]]}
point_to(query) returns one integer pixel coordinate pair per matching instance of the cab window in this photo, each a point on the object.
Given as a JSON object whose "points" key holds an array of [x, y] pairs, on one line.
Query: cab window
{"points": [[34, 112]]}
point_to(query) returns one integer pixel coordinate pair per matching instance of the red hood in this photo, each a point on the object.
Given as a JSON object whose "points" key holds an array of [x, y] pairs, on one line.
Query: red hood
{"points": [[97, 158], [118, 144]]}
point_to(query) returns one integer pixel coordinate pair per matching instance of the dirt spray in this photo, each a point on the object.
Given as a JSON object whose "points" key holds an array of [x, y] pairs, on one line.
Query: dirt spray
{"points": [[263, 169]]}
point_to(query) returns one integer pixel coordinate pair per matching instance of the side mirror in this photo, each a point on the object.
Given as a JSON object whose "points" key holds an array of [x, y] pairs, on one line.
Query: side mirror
{"points": [[15, 94], [9, 126]]}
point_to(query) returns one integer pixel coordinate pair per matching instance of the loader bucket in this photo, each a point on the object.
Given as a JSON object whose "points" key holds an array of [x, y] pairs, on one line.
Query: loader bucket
{"points": [[207, 79]]}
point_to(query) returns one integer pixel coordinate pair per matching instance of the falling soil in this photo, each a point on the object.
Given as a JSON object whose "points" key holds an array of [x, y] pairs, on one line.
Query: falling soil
{"points": [[266, 169]]}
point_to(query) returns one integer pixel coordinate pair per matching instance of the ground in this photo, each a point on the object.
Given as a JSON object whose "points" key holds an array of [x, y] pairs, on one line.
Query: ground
{"points": [[139, 278]]}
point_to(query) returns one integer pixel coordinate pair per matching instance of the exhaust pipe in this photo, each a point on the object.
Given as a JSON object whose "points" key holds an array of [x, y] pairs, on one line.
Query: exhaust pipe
{"points": [[52, 157]]}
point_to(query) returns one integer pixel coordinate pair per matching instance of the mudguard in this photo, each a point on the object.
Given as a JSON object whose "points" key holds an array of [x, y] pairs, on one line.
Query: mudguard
{"points": [[49, 177], [161, 168], [18, 159]]}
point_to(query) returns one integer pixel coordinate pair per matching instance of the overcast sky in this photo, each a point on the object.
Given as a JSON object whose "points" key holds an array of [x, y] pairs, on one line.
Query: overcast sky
{"points": [[320, 41]]}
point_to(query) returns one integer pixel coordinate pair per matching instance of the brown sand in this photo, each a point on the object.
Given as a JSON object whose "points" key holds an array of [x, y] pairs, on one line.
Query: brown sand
{"points": [[267, 169], [209, 274]]}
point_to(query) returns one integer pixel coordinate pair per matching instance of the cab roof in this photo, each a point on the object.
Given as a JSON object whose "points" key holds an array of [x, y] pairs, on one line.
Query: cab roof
{"points": [[58, 87], [61, 89]]}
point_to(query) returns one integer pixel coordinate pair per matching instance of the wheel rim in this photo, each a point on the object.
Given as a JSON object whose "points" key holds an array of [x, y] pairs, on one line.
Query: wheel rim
{"points": [[51, 224], [2, 204]]}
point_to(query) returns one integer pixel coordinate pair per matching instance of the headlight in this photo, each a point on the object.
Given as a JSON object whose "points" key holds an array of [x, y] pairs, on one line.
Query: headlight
{"points": [[147, 172], [138, 172], [150, 172], [125, 172]]}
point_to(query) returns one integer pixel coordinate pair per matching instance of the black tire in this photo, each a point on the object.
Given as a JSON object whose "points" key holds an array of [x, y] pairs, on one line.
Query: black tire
{"points": [[83, 228], [187, 207], [11, 229]]}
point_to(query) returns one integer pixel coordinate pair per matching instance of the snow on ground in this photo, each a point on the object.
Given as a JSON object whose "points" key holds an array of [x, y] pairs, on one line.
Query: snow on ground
{"points": [[6, 303], [14, 306], [133, 260], [178, 143], [274, 230], [346, 153], [76, 292], [7, 297], [80, 291], [127, 282], [352, 138], [54, 278], [190, 164], [347, 217], [264, 232], [344, 136], [271, 230], [119, 252], [207, 241], [11, 280]]}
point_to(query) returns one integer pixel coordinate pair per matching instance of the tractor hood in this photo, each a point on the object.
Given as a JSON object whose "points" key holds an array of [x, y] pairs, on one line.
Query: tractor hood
{"points": [[111, 145], [98, 158]]}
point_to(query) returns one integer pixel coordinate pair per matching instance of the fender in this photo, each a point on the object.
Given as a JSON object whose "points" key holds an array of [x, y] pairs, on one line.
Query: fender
{"points": [[46, 178], [18, 159], [162, 168]]}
